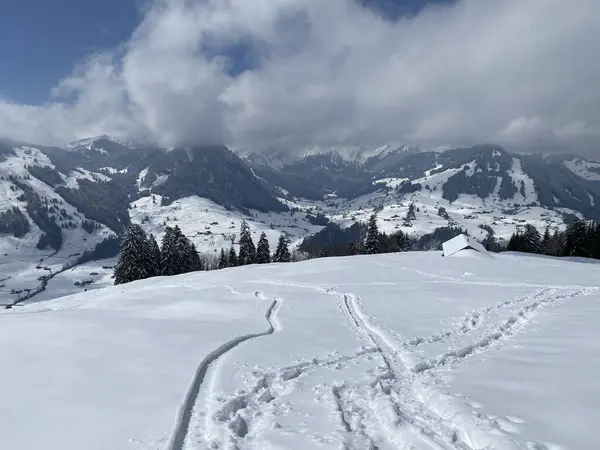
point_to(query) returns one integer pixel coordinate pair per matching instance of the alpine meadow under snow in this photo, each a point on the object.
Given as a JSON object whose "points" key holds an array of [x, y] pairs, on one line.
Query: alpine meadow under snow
{"points": [[396, 351]]}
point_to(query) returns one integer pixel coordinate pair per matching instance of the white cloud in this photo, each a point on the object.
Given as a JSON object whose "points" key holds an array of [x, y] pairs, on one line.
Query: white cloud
{"points": [[522, 74]]}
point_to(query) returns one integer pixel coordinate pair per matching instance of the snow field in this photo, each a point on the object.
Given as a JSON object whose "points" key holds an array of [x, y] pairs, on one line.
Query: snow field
{"points": [[398, 351]]}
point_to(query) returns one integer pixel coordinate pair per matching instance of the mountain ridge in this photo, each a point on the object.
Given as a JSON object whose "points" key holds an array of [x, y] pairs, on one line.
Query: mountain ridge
{"points": [[103, 177]]}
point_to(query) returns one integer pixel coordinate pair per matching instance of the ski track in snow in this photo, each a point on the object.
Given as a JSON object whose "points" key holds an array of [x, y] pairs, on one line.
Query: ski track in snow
{"points": [[225, 420], [182, 426], [405, 407], [411, 407]]}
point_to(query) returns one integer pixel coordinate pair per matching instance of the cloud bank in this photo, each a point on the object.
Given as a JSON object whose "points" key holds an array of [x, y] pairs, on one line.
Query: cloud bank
{"points": [[295, 73]]}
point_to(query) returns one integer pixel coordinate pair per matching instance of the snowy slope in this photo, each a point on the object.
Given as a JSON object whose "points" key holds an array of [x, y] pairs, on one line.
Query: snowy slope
{"points": [[585, 169], [21, 263], [212, 227], [390, 351]]}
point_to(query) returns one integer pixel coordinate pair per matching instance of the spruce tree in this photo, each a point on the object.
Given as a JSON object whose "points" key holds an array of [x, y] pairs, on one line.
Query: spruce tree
{"points": [[594, 240], [576, 242], [556, 244], [232, 259], [263, 254], [195, 260], [134, 257], [372, 244], [187, 259], [546, 240], [402, 241], [154, 254], [223, 261], [531, 240], [282, 253], [515, 243], [247, 254], [169, 257]]}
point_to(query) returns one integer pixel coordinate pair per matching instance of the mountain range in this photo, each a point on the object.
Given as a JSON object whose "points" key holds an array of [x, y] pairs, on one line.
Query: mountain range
{"points": [[70, 199]]}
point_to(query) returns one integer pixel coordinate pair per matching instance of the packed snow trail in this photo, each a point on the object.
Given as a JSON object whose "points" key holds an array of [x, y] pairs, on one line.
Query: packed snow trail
{"points": [[182, 425]]}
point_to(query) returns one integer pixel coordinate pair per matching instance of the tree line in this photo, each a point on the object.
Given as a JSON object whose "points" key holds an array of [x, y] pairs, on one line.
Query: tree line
{"points": [[141, 257], [361, 238], [581, 238]]}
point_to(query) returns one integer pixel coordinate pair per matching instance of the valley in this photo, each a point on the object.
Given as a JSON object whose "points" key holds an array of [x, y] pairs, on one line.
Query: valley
{"points": [[76, 201]]}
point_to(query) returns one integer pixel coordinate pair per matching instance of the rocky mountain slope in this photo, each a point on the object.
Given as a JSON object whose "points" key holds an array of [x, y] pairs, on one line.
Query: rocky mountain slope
{"points": [[62, 202]]}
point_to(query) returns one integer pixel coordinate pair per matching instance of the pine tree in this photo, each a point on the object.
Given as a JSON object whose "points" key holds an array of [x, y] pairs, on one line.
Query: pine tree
{"points": [[247, 254], [134, 257], [372, 244], [263, 254], [223, 261], [154, 254], [282, 253], [233, 259]]}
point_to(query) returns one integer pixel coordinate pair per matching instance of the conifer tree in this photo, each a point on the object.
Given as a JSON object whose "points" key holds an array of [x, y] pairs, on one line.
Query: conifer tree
{"points": [[232, 259], [515, 243], [402, 241], [555, 244], [576, 242], [154, 254], [263, 253], [546, 239], [195, 260], [594, 240], [282, 253], [187, 256], [169, 257], [531, 240], [247, 254], [134, 257], [223, 260], [372, 244]]}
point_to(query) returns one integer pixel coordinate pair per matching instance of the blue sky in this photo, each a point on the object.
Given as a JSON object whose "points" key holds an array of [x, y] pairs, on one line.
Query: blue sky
{"points": [[42, 40]]}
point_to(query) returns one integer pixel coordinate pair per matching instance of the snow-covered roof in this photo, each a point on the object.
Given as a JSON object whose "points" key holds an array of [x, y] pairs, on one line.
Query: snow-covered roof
{"points": [[462, 242]]}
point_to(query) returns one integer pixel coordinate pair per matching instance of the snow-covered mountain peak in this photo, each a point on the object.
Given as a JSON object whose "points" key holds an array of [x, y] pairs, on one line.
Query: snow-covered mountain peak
{"points": [[359, 154], [96, 142]]}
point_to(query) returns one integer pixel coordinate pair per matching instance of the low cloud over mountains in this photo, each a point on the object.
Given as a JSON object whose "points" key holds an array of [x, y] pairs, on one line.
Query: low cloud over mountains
{"points": [[294, 73]]}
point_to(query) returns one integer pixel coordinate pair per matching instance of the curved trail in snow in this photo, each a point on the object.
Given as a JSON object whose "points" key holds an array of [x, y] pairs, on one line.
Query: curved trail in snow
{"points": [[182, 425]]}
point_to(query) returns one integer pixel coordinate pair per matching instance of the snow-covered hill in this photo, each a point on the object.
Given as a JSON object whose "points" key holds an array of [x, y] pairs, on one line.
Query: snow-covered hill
{"points": [[394, 351]]}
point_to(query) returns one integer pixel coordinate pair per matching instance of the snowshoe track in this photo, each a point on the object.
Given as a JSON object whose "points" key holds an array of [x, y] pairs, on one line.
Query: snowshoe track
{"points": [[413, 412], [434, 416]]}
